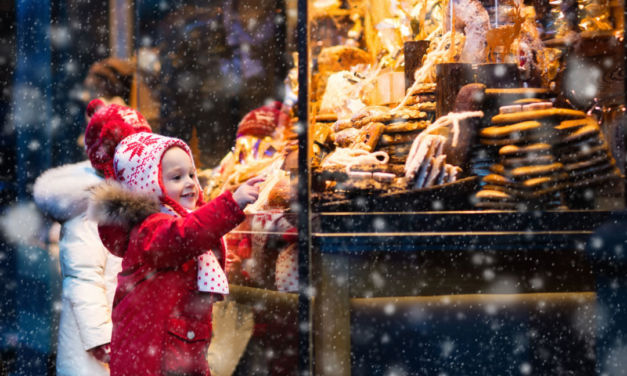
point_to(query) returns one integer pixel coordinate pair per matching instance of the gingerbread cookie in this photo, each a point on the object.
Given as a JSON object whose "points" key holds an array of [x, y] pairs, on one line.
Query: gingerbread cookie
{"points": [[528, 100], [497, 179], [406, 126], [543, 181], [525, 172], [516, 134], [424, 106], [398, 138], [369, 135], [499, 132], [423, 88], [420, 98], [517, 93], [513, 151], [573, 125], [497, 168], [555, 113], [583, 133], [406, 113], [379, 118], [494, 199]]}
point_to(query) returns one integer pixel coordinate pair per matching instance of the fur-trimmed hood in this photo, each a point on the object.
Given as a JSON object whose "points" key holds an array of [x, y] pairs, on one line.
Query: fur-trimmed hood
{"points": [[117, 210], [112, 204], [63, 192]]}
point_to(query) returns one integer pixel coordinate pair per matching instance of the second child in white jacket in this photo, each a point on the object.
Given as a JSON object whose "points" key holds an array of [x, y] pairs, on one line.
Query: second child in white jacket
{"points": [[89, 271]]}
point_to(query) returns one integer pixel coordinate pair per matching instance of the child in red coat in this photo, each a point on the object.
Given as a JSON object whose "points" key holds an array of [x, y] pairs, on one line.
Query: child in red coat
{"points": [[173, 255]]}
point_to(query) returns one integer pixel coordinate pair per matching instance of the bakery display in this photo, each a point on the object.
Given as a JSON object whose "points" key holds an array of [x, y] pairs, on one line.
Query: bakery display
{"points": [[491, 108], [485, 103]]}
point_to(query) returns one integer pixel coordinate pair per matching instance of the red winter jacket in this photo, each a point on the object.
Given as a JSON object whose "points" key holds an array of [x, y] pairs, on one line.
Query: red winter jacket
{"points": [[158, 309]]}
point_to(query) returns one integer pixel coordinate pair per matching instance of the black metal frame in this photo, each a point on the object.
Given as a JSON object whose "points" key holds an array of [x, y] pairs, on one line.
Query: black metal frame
{"points": [[304, 239]]}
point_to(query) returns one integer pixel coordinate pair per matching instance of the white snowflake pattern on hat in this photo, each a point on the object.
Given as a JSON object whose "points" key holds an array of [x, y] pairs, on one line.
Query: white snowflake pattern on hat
{"points": [[137, 161]]}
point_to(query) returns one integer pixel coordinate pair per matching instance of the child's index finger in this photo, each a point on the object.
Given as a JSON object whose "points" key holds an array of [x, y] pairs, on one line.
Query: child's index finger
{"points": [[256, 180]]}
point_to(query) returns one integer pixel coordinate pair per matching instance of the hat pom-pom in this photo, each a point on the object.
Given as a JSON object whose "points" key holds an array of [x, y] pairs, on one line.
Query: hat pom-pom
{"points": [[93, 106]]}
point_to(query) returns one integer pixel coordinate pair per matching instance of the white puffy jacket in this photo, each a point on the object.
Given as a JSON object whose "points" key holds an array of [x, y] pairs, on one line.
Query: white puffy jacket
{"points": [[89, 270]]}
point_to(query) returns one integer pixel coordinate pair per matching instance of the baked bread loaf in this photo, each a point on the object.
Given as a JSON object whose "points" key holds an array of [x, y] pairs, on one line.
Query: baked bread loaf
{"points": [[280, 194], [338, 58]]}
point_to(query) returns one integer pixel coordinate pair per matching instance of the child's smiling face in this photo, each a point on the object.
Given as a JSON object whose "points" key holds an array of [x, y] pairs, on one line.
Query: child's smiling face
{"points": [[179, 177]]}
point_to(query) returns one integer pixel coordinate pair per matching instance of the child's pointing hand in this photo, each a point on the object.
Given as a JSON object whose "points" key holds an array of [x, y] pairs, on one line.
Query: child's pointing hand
{"points": [[248, 192]]}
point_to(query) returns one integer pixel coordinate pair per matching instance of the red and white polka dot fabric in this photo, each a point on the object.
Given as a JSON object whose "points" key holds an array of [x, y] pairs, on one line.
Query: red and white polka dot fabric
{"points": [[211, 277]]}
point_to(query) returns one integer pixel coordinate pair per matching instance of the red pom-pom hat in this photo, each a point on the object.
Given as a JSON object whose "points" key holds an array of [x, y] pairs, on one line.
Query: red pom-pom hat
{"points": [[107, 127]]}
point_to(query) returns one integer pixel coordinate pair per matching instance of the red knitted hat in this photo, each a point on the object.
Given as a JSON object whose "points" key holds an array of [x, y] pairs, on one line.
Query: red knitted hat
{"points": [[107, 127], [262, 121]]}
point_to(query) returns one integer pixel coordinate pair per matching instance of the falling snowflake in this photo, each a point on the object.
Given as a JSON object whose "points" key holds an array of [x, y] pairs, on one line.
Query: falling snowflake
{"points": [[60, 36], [582, 80], [389, 309], [34, 145], [377, 279], [379, 224], [20, 223], [447, 348], [396, 371], [596, 242], [488, 274]]}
